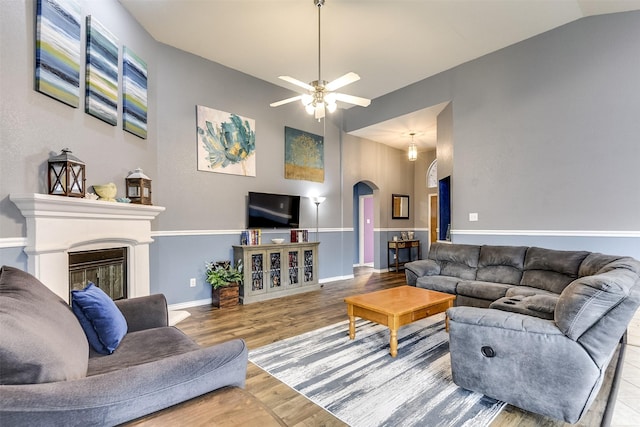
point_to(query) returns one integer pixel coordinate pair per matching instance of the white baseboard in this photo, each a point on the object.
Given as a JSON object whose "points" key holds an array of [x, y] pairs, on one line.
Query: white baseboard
{"points": [[336, 278], [183, 305]]}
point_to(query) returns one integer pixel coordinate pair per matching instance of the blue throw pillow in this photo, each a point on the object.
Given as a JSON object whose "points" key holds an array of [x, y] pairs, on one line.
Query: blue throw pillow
{"points": [[102, 322]]}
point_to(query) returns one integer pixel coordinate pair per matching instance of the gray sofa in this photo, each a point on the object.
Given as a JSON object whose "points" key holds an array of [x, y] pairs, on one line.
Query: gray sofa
{"points": [[532, 327], [49, 375]]}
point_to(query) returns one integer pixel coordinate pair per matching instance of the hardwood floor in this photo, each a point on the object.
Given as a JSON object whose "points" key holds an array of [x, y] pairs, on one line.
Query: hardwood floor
{"points": [[265, 322]]}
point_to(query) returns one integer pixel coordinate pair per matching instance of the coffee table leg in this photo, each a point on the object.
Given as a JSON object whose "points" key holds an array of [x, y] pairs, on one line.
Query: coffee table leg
{"points": [[393, 343], [352, 322]]}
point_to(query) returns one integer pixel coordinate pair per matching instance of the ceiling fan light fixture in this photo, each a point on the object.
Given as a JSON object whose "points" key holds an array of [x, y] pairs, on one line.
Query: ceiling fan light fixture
{"points": [[306, 99], [310, 108], [320, 96]]}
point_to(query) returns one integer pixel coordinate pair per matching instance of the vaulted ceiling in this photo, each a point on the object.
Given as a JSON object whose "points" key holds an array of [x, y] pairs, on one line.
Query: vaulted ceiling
{"points": [[389, 43]]}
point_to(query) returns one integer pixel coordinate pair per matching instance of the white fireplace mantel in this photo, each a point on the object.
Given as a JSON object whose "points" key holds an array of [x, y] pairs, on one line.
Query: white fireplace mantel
{"points": [[58, 225]]}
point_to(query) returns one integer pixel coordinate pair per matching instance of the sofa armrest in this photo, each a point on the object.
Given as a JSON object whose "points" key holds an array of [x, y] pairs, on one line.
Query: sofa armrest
{"points": [[492, 318], [522, 360], [144, 312], [423, 267], [118, 396]]}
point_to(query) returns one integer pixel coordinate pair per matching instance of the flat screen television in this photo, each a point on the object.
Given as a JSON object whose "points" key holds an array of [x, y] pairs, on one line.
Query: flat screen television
{"points": [[267, 210]]}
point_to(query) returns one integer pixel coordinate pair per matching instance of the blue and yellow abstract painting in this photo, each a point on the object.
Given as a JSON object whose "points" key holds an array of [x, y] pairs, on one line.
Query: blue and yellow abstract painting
{"points": [[58, 50], [134, 94], [226, 142], [101, 92], [303, 155]]}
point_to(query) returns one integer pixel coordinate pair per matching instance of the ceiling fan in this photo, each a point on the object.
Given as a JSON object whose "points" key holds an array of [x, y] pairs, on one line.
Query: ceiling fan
{"points": [[321, 95]]}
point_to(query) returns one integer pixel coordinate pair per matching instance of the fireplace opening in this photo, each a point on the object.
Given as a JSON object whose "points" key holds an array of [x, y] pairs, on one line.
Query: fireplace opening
{"points": [[106, 268]]}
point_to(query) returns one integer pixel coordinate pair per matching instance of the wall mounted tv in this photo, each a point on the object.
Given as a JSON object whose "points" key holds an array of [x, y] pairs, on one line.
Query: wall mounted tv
{"points": [[267, 210]]}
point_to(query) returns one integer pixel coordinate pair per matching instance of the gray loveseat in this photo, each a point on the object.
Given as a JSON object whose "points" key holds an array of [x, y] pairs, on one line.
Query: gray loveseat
{"points": [[49, 375], [532, 327]]}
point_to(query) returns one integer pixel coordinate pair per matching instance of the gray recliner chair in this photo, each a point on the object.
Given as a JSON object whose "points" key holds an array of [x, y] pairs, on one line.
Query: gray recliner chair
{"points": [[550, 367]]}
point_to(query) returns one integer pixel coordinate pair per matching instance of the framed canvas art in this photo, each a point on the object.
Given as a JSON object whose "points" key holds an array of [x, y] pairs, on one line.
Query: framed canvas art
{"points": [[134, 94], [58, 50], [303, 155], [101, 92], [226, 142]]}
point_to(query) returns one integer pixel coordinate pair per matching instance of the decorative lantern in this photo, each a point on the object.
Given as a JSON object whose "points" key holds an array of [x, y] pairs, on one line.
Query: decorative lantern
{"points": [[139, 187], [66, 175]]}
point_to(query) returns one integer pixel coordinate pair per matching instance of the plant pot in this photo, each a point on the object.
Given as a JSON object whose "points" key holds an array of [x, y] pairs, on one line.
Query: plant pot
{"points": [[226, 296]]}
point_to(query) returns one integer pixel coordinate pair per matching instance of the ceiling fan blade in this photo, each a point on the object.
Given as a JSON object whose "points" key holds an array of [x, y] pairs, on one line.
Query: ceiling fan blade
{"points": [[342, 81], [363, 102], [297, 83], [286, 101], [319, 111]]}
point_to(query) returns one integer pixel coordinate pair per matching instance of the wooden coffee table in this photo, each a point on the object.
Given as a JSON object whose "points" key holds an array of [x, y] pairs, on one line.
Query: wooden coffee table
{"points": [[396, 307]]}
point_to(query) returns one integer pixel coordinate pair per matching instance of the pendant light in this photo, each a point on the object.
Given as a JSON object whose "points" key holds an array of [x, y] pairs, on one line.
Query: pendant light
{"points": [[413, 150]]}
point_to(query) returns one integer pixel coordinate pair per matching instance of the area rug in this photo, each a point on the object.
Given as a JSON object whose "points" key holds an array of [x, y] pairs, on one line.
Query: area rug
{"points": [[361, 384]]}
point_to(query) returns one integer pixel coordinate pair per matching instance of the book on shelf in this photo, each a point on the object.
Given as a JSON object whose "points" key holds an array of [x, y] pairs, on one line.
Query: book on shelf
{"points": [[299, 236], [251, 237]]}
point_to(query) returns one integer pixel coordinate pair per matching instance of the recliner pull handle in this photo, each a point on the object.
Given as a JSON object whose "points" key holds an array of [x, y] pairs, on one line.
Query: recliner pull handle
{"points": [[487, 351]]}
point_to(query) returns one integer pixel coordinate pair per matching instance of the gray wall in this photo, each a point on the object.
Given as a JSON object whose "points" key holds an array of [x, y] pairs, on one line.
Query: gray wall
{"points": [[34, 125], [545, 136], [205, 212]]}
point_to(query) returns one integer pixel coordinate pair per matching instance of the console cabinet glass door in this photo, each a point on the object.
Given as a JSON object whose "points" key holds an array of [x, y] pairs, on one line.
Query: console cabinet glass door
{"points": [[293, 267], [309, 265], [257, 273], [275, 270]]}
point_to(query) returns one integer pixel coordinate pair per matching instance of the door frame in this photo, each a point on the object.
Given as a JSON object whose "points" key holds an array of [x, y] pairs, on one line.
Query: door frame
{"points": [[431, 196], [361, 230]]}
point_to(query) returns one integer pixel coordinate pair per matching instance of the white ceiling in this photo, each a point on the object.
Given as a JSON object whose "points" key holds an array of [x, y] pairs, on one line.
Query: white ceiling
{"points": [[389, 43]]}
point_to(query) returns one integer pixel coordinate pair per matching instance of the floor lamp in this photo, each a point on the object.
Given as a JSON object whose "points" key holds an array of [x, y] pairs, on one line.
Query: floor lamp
{"points": [[317, 201]]}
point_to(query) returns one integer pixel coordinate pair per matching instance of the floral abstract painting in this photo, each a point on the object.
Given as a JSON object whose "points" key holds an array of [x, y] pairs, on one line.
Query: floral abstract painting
{"points": [[58, 50], [226, 142], [101, 90], [303, 155], [134, 94]]}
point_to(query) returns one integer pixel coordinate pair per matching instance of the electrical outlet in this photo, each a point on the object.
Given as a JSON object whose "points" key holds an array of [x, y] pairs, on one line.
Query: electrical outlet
{"points": [[192, 282], [473, 216]]}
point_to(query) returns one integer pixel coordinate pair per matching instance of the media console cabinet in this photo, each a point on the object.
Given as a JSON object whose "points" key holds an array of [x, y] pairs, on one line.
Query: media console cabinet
{"points": [[277, 270]]}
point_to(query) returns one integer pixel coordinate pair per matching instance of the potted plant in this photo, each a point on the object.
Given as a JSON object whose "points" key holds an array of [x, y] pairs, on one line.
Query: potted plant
{"points": [[225, 282]]}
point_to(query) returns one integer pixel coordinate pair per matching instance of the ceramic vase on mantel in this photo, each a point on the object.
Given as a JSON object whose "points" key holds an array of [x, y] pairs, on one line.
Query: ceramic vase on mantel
{"points": [[226, 296]]}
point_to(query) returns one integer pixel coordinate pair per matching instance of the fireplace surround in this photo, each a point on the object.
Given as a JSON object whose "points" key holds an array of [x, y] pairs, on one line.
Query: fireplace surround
{"points": [[59, 225]]}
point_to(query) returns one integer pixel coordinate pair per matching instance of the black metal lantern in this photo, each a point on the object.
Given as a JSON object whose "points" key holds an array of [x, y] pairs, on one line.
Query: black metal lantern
{"points": [[66, 175], [139, 187]]}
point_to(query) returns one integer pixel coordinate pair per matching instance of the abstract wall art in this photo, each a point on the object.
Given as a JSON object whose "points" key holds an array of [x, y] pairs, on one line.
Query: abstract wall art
{"points": [[226, 142], [58, 50], [134, 90], [303, 155], [101, 92]]}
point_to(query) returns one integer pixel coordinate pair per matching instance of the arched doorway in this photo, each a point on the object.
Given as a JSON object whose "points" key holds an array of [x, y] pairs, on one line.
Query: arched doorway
{"points": [[363, 222]]}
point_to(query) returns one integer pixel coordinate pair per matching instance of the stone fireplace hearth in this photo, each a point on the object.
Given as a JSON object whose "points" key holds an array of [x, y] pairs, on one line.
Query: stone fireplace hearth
{"points": [[58, 225]]}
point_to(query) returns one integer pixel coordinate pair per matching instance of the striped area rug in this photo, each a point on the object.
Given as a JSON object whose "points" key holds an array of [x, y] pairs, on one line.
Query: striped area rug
{"points": [[361, 384]]}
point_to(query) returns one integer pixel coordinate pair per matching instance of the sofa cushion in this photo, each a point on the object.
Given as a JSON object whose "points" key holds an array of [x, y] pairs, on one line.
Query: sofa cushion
{"points": [[445, 284], [594, 262], [102, 322], [134, 349], [526, 291], [483, 290], [551, 270], [501, 264], [41, 340], [456, 260], [588, 299]]}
